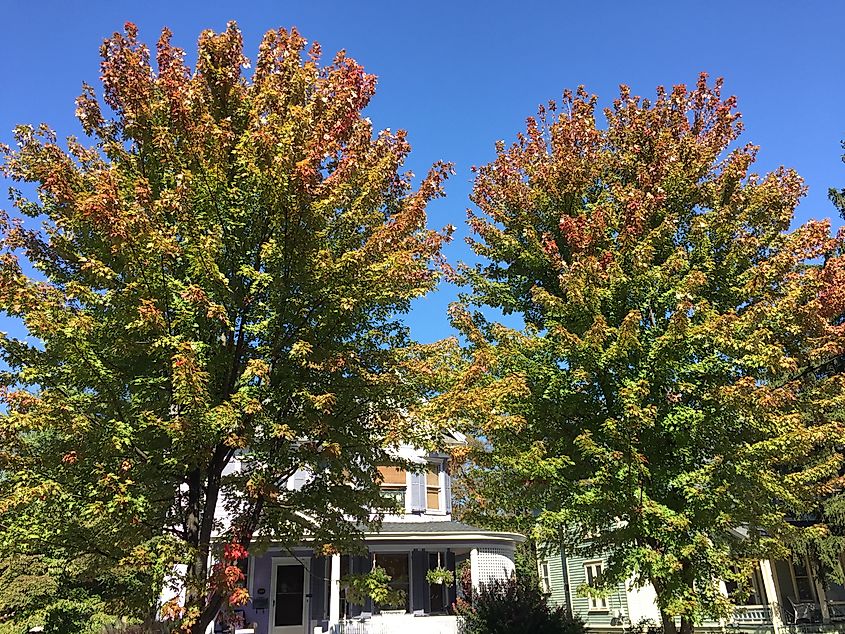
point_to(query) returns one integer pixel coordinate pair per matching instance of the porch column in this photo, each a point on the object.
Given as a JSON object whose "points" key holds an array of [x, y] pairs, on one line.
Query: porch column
{"points": [[334, 592], [723, 590], [822, 595], [771, 594], [473, 568]]}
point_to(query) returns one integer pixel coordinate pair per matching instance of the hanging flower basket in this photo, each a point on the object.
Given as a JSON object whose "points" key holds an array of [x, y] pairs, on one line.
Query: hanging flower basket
{"points": [[440, 576], [372, 585]]}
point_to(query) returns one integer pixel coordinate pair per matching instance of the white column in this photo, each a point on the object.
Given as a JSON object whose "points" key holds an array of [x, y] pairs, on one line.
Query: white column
{"points": [[473, 568], [771, 594], [334, 592], [723, 590]]}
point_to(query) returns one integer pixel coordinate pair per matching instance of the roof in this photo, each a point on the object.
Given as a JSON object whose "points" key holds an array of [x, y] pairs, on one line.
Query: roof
{"points": [[449, 526], [438, 530]]}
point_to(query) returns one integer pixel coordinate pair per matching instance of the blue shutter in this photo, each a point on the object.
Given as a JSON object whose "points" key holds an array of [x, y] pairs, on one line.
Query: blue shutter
{"points": [[447, 480], [366, 565], [419, 587], [318, 588], [360, 564], [418, 492]]}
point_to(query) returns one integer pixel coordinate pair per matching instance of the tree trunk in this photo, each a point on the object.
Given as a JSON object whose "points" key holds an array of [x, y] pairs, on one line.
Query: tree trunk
{"points": [[668, 621], [213, 602], [197, 568]]}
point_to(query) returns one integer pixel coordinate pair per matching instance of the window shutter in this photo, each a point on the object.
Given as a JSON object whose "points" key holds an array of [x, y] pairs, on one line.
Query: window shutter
{"points": [[418, 492], [318, 588], [447, 491], [366, 565], [360, 564], [419, 588]]}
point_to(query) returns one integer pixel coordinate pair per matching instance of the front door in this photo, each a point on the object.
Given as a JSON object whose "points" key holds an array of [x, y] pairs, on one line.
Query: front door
{"points": [[288, 594]]}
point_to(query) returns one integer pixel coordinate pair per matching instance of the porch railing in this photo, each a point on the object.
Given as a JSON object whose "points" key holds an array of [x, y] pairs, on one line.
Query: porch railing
{"points": [[404, 624], [749, 614], [836, 609]]}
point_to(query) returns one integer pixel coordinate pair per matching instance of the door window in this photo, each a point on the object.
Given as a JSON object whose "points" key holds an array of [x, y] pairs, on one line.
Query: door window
{"points": [[290, 580]]}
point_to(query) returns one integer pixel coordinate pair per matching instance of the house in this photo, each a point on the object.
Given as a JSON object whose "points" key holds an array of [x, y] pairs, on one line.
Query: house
{"points": [[784, 596], [297, 592]]}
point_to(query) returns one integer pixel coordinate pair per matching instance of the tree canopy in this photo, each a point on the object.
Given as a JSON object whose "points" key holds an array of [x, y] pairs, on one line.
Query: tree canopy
{"points": [[663, 403], [211, 291]]}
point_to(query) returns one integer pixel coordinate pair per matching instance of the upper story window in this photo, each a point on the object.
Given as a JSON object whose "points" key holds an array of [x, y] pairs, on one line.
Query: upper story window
{"points": [[592, 570], [545, 578], [394, 485], [432, 488]]}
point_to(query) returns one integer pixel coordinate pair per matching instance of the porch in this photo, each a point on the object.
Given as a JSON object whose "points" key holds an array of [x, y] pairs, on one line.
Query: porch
{"points": [[786, 597], [295, 592]]}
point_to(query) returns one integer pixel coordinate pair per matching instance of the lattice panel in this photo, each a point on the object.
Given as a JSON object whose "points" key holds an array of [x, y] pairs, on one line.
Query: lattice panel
{"points": [[494, 563]]}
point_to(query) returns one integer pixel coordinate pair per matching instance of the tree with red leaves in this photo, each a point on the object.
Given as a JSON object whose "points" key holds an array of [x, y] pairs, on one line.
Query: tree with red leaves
{"points": [[212, 301], [664, 394]]}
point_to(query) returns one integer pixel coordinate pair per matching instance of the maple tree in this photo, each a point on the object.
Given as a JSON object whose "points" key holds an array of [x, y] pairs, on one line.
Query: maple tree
{"points": [[824, 546], [212, 292], [662, 405], [837, 196]]}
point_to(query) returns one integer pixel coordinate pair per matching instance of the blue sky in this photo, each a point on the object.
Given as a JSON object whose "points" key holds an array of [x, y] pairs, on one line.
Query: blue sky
{"points": [[460, 75]]}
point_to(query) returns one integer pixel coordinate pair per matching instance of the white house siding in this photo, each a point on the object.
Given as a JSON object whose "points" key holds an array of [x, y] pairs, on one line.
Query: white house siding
{"points": [[642, 603]]}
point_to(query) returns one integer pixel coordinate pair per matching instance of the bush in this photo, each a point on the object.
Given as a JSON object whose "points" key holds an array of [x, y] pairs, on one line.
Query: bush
{"points": [[515, 606]]}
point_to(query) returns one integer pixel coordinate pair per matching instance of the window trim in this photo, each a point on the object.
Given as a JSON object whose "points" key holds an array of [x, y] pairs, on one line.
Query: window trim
{"points": [[396, 488], [808, 575], [435, 468], [545, 576], [595, 604]]}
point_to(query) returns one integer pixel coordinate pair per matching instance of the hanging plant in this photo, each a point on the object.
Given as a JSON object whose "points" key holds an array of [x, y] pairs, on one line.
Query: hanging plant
{"points": [[440, 576], [372, 585]]}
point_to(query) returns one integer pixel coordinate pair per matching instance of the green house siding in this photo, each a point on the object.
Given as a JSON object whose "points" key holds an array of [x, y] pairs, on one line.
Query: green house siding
{"points": [[557, 581], [566, 581], [617, 601]]}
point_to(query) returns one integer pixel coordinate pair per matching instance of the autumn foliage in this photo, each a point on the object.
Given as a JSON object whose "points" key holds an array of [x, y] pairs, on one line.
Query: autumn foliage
{"points": [[666, 387], [210, 282]]}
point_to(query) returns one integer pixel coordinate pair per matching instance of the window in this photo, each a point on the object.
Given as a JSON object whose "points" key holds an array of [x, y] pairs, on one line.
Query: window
{"points": [[393, 486], [544, 576], [397, 566], [432, 488], [753, 587], [437, 592], [592, 570], [803, 581]]}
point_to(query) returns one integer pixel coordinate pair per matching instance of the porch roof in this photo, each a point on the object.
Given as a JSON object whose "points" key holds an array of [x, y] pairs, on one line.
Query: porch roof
{"points": [[438, 530]]}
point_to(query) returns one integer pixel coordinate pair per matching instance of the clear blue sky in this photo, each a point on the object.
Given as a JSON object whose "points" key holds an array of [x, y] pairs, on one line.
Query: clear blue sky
{"points": [[459, 75]]}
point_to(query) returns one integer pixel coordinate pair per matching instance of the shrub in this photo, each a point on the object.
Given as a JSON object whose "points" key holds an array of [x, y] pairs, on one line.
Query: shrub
{"points": [[515, 606]]}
